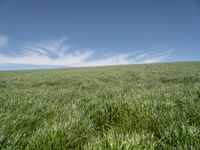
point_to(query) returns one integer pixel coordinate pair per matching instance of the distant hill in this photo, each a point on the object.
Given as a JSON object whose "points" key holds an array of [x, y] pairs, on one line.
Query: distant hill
{"points": [[26, 67]]}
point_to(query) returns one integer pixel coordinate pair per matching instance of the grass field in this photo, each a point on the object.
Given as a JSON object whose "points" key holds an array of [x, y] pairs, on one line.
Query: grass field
{"points": [[154, 106]]}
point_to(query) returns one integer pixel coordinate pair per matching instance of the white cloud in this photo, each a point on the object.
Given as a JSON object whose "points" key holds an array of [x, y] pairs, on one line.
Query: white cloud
{"points": [[59, 52], [153, 57], [3, 41]]}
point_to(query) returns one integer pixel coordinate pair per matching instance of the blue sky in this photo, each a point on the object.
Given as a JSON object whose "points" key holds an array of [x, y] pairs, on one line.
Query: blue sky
{"points": [[95, 33]]}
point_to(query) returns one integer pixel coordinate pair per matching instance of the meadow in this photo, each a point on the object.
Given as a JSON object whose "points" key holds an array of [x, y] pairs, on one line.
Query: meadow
{"points": [[151, 106]]}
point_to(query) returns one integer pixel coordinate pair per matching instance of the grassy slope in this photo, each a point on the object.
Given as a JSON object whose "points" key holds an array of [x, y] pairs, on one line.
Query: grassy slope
{"points": [[153, 106]]}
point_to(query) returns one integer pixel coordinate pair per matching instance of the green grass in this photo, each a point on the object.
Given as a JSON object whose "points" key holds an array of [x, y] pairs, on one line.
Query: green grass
{"points": [[155, 106]]}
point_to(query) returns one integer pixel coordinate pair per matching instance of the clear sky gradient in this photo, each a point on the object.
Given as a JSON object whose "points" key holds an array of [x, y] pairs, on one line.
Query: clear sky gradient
{"points": [[95, 33]]}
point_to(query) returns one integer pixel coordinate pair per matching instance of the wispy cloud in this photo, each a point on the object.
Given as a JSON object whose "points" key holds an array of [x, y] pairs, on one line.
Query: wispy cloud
{"points": [[59, 52], [3, 41]]}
